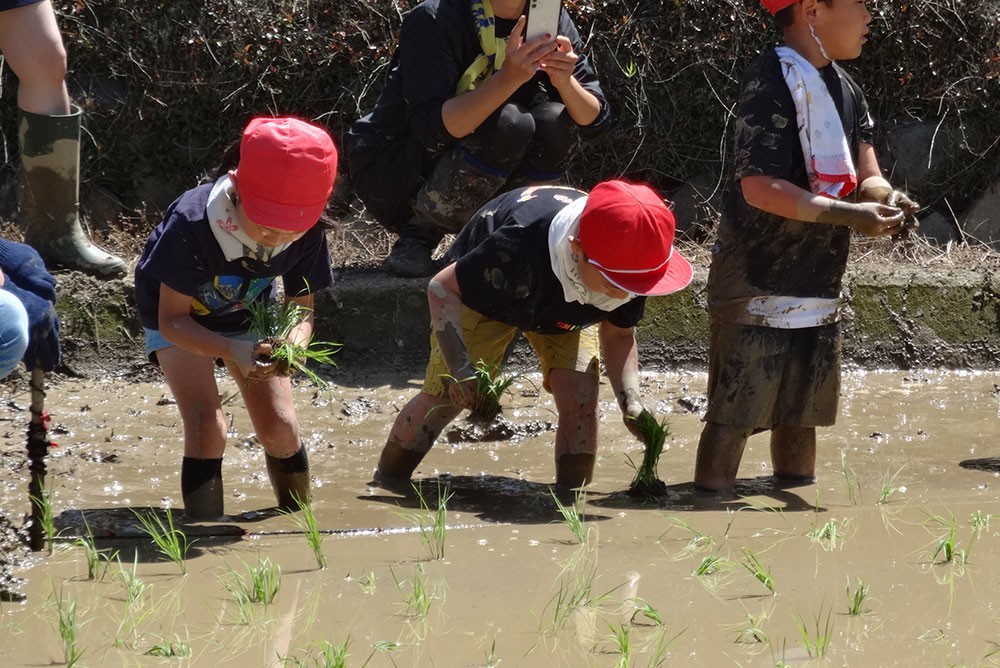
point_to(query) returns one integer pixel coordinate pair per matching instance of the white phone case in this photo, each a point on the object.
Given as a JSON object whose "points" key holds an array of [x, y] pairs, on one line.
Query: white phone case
{"points": [[543, 18]]}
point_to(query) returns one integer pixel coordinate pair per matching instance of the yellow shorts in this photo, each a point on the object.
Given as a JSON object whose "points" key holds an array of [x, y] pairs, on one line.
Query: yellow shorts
{"points": [[487, 340]]}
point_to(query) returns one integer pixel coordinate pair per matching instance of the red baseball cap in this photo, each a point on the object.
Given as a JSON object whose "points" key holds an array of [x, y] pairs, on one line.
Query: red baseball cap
{"points": [[775, 6], [627, 232], [286, 172]]}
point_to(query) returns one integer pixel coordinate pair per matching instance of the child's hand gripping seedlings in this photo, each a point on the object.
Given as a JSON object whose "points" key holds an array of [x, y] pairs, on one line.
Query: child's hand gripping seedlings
{"points": [[647, 485], [490, 387], [273, 322]]}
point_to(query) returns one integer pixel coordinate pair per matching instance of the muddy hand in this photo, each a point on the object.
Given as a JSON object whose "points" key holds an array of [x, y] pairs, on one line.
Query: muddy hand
{"points": [[462, 389], [902, 201], [253, 359], [631, 416]]}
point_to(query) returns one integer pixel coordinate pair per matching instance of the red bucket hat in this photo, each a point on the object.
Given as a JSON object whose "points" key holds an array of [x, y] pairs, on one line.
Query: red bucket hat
{"points": [[775, 6], [286, 172], [627, 232]]}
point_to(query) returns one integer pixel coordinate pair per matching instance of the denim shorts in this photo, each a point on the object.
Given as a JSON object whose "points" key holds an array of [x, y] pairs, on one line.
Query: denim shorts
{"points": [[155, 341]]}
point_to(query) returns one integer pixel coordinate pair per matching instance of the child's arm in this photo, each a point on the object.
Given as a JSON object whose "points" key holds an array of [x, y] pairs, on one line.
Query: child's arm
{"points": [[785, 199], [302, 333], [180, 329], [875, 188], [621, 361], [444, 298]]}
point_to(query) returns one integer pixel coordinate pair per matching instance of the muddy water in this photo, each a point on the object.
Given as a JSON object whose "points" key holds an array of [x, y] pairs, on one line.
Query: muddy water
{"points": [[515, 587]]}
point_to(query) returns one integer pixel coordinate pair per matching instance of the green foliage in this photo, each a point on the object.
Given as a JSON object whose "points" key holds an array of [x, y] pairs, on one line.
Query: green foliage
{"points": [[432, 524], [170, 541], [272, 321], [305, 521], [647, 484]]}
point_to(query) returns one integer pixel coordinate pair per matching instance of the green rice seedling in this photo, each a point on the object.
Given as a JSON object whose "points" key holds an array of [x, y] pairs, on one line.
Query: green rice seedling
{"points": [[816, 640], [698, 542], [135, 611], [416, 596], [432, 524], [756, 569], [658, 656], [305, 521], [646, 485], [979, 523], [711, 564], [98, 561], [752, 632], [492, 660], [827, 536], [384, 646], [947, 545], [328, 655], [172, 649], [259, 586], [571, 515], [170, 541], [272, 321], [367, 583], [850, 479], [576, 592], [620, 635], [68, 628], [47, 519], [642, 607], [491, 386], [857, 600], [889, 486]]}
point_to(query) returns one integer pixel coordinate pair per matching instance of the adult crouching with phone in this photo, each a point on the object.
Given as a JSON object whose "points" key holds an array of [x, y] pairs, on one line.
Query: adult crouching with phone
{"points": [[471, 107]]}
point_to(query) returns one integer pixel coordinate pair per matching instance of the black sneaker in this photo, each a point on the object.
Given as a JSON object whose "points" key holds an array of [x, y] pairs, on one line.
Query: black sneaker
{"points": [[410, 258]]}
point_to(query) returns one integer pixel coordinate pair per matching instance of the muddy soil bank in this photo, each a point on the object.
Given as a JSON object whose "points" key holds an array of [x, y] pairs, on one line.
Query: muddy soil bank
{"points": [[896, 315]]}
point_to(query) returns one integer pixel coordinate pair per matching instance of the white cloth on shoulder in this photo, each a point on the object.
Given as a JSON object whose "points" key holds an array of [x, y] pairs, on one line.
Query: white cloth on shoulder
{"points": [[225, 226], [824, 145]]}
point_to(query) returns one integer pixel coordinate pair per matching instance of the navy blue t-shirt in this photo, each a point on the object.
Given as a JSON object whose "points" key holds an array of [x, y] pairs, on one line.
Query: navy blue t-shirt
{"points": [[183, 254], [504, 271]]}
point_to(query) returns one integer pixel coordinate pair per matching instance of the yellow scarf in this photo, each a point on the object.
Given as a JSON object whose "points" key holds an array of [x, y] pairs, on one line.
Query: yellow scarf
{"points": [[494, 48]]}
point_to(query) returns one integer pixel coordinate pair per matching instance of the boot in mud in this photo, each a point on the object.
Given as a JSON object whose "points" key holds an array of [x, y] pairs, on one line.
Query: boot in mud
{"points": [[50, 192], [201, 488], [289, 479], [574, 470], [396, 465]]}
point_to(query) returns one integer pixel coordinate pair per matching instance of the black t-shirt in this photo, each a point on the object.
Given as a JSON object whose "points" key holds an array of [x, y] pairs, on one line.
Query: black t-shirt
{"points": [[182, 253], [759, 253], [505, 273]]}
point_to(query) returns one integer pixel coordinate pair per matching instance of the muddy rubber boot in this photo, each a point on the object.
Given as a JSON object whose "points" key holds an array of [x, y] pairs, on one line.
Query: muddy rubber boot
{"points": [[411, 255], [289, 479], [574, 470], [201, 488], [50, 195], [455, 190], [398, 463]]}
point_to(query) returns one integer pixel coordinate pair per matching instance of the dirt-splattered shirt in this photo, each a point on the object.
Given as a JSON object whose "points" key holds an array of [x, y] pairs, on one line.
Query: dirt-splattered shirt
{"points": [[183, 254], [504, 270], [761, 254]]}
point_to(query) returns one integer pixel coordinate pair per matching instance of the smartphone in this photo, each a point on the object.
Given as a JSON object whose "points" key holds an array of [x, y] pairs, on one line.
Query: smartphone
{"points": [[543, 18]]}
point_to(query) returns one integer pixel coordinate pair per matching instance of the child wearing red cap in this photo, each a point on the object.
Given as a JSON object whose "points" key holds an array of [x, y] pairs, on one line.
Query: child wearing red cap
{"points": [[572, 272], [218, 249], [806, 176]]}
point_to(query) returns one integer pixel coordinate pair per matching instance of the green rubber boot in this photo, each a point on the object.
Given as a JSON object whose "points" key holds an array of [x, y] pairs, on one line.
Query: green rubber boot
{"points": [[50, 195]]}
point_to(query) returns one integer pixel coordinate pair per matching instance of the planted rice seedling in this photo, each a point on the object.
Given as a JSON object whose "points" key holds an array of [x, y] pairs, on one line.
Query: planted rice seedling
{"points": [[851, 480], [711, 564], [171, 649], [416, 596], [432, 524], [857, 600], [272, 321], [620, 635], [817, 638], [571, 515], [170, 541], [259, 586], [979, 523], [326, 655], [135, 611], [756, 569], [46, 517], [68, 628], [889, 486], [646, 485], [827, 536], [698, 542], [305, 521], [642, 607], [491, 386], [98, 561], [947, 545]]}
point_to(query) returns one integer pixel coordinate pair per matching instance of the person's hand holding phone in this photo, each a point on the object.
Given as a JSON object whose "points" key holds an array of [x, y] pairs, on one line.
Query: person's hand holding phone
{"points": [[523, 58], [561, 63]]}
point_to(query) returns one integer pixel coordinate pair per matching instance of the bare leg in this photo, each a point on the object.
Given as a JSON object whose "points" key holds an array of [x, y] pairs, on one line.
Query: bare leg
{"points": [[720, 450], [575, 394], [31, 43], [793, 452], [413, 433]]}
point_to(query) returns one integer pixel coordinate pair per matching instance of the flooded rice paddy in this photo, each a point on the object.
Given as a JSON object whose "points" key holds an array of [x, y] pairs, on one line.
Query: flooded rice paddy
{"points": [[899, 526]]}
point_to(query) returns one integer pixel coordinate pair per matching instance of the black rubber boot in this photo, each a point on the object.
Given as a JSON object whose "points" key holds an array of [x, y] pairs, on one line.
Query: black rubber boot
{"points": [[289, 479], [50, 195], [411, 255], [574, 470], [201, 488]]}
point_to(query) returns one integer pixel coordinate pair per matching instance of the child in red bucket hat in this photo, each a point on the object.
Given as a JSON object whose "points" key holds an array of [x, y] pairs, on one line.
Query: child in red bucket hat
{"points": [[218, 249], [571, 272], [806, 176]]}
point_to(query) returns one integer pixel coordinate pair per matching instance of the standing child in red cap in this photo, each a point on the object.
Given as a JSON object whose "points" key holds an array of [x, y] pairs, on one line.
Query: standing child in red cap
{"points": [[806, 176], [218, 249], [572, 272]]}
